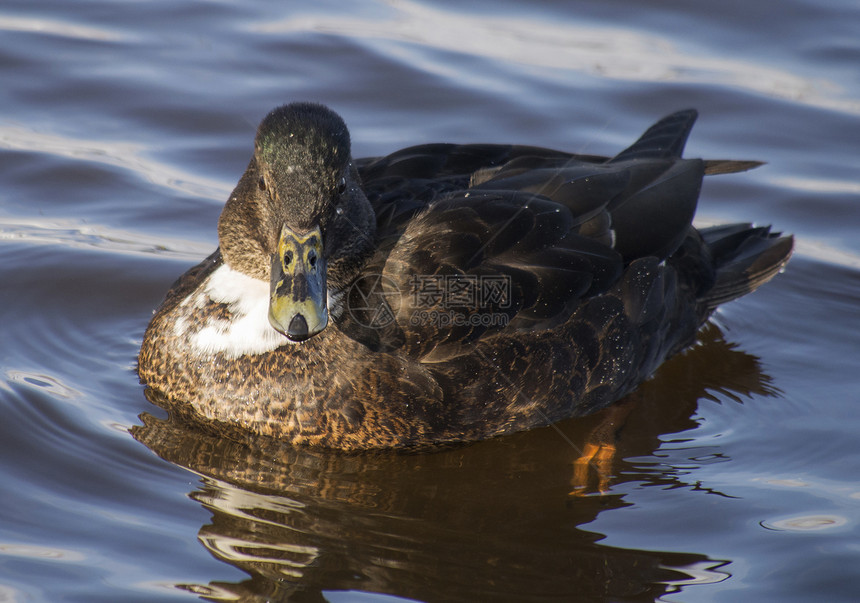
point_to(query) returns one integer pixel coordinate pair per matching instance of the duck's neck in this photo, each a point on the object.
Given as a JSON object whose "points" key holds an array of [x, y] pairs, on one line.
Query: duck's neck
{"points": [[350, 241]]}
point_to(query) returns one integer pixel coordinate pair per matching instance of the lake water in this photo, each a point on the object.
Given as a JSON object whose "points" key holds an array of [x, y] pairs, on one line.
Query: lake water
{"points": [[123, 128]]}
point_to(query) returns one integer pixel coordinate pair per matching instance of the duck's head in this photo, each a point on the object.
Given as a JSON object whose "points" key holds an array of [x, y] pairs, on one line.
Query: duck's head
{"points": [[298, 218]]}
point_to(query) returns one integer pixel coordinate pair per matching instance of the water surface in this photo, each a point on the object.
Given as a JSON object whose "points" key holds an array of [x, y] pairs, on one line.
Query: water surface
{"points": [[123, 128]]}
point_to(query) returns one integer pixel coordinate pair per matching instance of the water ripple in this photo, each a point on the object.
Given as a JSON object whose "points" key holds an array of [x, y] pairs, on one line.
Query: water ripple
{"points": [[805, 523], [32, 551], [76, 234], [606, 52], [65, 29], [125, 155], [46, 383]]}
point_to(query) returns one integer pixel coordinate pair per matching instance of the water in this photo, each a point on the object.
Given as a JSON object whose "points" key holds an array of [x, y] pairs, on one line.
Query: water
{"points": [[123, 128]]}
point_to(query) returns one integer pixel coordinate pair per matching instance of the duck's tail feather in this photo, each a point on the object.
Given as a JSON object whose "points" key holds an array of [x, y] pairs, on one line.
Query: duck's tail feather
{"points": [[666, 140], [729, 166], [745, 257], [663, 140]]}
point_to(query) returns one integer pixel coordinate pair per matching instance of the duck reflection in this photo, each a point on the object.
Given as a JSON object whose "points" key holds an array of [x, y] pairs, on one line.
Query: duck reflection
{"points": [[489, 521]]}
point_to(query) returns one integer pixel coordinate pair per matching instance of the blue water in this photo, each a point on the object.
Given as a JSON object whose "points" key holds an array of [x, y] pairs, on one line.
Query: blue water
{"points": [[125, 125]]}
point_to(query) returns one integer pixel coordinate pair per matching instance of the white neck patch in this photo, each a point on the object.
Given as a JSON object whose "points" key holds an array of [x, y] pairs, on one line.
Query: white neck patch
{"points": [[249, 331]]}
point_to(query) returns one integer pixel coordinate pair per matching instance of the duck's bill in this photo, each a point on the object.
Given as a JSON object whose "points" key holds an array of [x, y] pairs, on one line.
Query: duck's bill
{"points": [[297, 303]]}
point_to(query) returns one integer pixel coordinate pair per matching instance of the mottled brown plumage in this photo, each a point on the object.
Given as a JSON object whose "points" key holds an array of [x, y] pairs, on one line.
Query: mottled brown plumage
{"points": [[473, 290]]}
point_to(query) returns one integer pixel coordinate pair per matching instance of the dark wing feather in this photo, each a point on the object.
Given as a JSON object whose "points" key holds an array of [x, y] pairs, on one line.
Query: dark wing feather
{"points": [[401, 184], [519, 243], [664, 140], [652, 219], [652, 216], [559, 227], [441, 160]]}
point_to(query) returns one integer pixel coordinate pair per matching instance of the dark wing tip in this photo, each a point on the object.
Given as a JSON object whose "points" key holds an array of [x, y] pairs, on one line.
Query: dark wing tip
{"points": [[664, 140]]}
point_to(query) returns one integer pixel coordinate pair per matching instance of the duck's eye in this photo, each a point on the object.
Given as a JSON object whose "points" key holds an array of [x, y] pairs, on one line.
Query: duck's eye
{"points": [[312, 259], [262, 183], [288, 258], [341, 186]]}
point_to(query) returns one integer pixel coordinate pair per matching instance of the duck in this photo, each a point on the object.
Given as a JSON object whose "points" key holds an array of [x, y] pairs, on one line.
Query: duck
{"points": [[443, 293]]}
